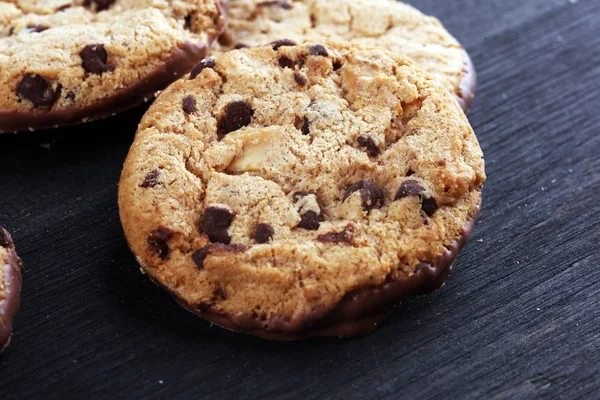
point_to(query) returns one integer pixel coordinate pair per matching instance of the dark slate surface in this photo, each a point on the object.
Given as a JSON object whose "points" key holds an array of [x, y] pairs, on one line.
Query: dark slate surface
{"points": [[519, 317]]}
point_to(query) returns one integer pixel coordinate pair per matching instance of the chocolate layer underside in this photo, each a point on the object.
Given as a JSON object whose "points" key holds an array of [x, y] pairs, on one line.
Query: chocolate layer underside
{"points": [[11, 269], [180, 62], [359, 311], [466, 89]]}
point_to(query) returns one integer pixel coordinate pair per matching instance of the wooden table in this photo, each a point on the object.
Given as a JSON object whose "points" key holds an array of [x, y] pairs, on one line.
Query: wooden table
{"points": [[518, 318]]}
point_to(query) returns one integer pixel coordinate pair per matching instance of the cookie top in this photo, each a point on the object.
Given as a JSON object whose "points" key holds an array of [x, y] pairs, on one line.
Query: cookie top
{"points": [[390, 24], [273, 182], [11, 270], [64, 62]]}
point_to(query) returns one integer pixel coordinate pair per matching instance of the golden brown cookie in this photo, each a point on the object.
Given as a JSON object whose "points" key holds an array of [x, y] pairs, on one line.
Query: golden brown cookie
{"points": [[293, 190], [11, 271], [390, 24], [65, 61]]}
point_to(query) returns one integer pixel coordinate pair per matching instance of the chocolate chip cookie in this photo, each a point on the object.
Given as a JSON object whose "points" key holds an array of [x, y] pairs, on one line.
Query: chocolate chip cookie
{"points": [[65, 62], [390, 24], [290, 190], [11, 270]]}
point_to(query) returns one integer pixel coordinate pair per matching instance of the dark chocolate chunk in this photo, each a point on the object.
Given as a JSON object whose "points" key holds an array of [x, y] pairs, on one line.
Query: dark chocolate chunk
{"points": [[157, 241], [337, 64], [199, 256], [409, 188], [38, 90], [215, 222], [189, 105], [285, 62], [311, 220], [188, 22], [236, 115], [202, 65], [282, 43], [429, 205], [264, 233], [318, 50], [300, 80], [345, 236], [413, 188], [101, 5], [151, 179], [370, 145], [240, 46], [37, 28], [94, 59], [370, 193], [279, 3], [305, 126]]}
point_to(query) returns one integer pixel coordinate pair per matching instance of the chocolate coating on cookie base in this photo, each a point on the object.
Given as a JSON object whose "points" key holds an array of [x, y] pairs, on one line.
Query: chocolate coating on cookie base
{"points": [[12, 274], [466, 89], [179, 63], [358, 312]]}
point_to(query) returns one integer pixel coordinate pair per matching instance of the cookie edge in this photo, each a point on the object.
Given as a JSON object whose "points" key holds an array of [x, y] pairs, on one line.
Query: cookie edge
{"points": [[358, 312], [13, 273], [465, 92]]}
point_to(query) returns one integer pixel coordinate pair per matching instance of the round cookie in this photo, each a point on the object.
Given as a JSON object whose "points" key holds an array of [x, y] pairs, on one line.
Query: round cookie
{"points": [[11, 270], [289, 191], [71, 61], [390, 24]]}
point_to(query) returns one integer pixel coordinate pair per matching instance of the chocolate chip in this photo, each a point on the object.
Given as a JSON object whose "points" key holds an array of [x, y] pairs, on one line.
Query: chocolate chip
{"points": [[337, 64], [370, 145], [63, 8], [70, 95], [199, 256], [240, 46], [215, 222], [151, 179], [188, 21], [236, 115], [345, 236], [189, 105], [202, 65], [318, 50], [94, 59], [429, 205], [157, 241], [3, 239], [101, 5], [305, 126], [413, 188], [37, 28], [409, 188], [300, 80], [370, 193], [285, 62], [279, 3], [282, 43], [264, 233], [38, 90], [311, 220]]}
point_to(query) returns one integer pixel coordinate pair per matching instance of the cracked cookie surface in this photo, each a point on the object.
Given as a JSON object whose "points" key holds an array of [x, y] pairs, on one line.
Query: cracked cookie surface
{"points": [[390, 24], [273, 182], [64, 62], [11, 270]]}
